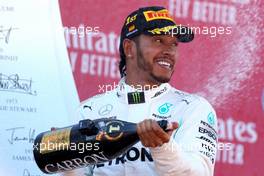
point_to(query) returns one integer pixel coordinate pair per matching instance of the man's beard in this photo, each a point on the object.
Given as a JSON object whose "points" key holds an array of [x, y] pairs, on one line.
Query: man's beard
{"points": [[147, 67]]}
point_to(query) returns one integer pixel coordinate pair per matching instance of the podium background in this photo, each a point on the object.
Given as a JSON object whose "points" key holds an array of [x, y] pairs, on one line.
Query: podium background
{"points": [[226, 69]]}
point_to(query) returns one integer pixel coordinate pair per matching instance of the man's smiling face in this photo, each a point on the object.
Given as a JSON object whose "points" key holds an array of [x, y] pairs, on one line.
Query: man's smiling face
{"points": [[156, 57]]}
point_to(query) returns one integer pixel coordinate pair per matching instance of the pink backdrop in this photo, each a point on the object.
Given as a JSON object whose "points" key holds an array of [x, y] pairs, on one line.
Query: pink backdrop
{"points": [[226, 69]]}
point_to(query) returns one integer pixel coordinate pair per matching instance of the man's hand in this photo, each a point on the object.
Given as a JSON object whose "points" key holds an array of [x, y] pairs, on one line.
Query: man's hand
{"points": [[152, 135]]}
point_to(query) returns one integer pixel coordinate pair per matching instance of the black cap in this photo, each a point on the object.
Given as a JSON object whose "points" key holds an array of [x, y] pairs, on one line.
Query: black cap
{"points": [[154, 20]]}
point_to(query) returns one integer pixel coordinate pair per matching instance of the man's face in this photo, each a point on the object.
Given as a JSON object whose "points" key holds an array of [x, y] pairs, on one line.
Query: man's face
{"points": [[156, 57]]}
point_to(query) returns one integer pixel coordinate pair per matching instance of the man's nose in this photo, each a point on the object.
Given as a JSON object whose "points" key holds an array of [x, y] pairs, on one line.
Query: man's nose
{"points": [[170, 51]]}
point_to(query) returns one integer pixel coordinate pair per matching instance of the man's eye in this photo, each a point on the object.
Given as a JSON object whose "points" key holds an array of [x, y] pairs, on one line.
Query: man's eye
{"points": [[175, 44], [158, 40]]}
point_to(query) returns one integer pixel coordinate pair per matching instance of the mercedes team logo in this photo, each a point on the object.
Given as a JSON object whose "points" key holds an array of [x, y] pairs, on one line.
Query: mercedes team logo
{"points": [[105, 110]]}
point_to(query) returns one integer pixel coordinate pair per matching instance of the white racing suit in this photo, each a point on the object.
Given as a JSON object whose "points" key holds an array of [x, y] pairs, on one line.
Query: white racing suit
{"points": [[192, 147]]}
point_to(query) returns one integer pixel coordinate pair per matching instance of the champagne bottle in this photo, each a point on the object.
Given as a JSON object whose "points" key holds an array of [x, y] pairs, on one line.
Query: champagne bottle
{"points": [[87, 143]]}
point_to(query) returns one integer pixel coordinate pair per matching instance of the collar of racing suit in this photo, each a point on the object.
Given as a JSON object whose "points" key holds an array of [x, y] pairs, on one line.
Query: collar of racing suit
{"points": [[124, 89]]}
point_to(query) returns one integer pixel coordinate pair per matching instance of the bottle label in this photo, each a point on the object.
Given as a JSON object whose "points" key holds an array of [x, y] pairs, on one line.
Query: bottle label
{"points": [[113, 131], [55, 140]]}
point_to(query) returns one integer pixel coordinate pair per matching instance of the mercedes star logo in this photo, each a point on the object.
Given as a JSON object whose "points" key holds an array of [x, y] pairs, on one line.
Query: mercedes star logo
{"points": [[105, 110]]}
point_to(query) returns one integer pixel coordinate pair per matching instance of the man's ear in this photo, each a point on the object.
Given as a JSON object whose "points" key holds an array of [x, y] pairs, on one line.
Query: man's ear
{"points": [[128, 47]]}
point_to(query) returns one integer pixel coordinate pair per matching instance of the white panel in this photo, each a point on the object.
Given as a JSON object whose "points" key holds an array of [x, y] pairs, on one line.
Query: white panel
{"points": [[37, 89]]}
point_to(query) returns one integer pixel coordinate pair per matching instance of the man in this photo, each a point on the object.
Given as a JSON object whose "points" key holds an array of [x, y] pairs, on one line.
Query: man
{"points": [[148, 51]]}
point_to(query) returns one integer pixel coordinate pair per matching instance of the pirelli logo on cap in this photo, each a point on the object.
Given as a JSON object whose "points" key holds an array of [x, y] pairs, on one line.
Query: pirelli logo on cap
{"points": [[158, 15], [136, 97]]}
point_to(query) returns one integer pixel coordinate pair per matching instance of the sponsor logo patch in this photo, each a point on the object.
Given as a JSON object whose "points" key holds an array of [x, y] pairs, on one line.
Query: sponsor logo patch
{"points": [[160, 92], [105, 110], [164, 109], [131, 28], [131, 19], [161, 117], [158, 15], [206, 140], [136, 97], [208, 126], [207, 132], [208, 148], [211, 118], [133, 154]]}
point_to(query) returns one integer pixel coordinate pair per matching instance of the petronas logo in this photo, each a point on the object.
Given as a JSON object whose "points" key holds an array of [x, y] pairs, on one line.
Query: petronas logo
{"points": [[136, 97], [163, 109]]}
